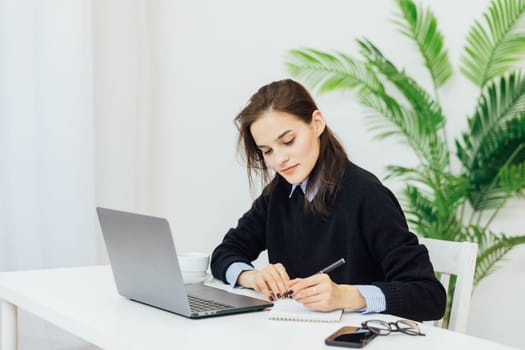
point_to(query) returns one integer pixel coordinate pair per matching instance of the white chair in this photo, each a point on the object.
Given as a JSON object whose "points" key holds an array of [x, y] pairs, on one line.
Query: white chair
{"points": [[459, 259]]}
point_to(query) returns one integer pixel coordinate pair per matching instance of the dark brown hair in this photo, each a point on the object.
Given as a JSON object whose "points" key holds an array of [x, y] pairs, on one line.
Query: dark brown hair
{"points": [[291, 97]]}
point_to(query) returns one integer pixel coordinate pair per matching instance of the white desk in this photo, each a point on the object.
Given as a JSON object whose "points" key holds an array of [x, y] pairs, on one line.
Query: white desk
{"points": [[84, 301]]}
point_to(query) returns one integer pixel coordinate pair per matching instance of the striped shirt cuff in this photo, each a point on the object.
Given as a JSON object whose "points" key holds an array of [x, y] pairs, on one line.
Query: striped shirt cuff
{"points": [[234, 270], [374, 298]]}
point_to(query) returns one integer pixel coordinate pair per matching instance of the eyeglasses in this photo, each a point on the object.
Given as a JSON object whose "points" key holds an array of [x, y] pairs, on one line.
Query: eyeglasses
{"points": [[380, 327]]}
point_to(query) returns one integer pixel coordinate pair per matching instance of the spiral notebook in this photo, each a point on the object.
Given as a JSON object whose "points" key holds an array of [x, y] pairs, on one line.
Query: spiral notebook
{"points": [[291, 310]]}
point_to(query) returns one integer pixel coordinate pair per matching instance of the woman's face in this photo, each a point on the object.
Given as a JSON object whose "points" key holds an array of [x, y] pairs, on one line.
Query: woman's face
{"points": [[289, 145]]}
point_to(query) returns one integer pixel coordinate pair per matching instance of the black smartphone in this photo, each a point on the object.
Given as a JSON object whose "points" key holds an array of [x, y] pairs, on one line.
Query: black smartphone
{"points": [[351, 337]]}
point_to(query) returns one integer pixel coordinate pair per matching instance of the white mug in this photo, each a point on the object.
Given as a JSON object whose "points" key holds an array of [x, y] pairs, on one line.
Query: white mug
{"points": [[194, 264]]}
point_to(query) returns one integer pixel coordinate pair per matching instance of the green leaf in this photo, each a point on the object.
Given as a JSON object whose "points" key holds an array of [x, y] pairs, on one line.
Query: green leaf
{"points": [[420, 210], [491, 249], [420, 123], [502, 150], [410, 174], [495, 46], [428, 111], [420, 25], [496, 137], [325, 72], [431, 207], [391, 120], [512, 178]]}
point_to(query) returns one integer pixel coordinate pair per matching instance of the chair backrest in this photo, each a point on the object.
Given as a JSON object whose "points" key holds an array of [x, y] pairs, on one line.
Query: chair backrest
{"points": [[459, 259]]}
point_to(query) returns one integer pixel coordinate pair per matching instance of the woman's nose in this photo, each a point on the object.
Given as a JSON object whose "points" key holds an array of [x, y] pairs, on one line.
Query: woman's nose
{"points": [[281, 158]]}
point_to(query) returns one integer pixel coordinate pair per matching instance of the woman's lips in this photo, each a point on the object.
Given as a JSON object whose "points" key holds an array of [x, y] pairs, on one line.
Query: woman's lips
{"points": [[289, 169]]}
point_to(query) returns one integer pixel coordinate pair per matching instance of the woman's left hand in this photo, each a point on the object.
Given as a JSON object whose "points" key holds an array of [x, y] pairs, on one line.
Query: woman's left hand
{"points": [[320, 293]]}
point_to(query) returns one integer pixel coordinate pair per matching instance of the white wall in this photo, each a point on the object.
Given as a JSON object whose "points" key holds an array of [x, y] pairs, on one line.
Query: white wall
{"points": [[220, 52]]}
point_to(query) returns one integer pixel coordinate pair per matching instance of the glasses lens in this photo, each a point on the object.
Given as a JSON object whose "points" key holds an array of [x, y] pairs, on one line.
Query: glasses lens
{"points": [[378, 326], [408, 327]]}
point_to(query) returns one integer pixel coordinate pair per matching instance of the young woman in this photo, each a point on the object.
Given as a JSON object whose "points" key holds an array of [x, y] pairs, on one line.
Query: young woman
{"points": [[317, 208]]}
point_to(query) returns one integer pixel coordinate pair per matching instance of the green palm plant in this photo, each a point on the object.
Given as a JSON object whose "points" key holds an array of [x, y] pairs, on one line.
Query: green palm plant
{"points": [[440, 201]]}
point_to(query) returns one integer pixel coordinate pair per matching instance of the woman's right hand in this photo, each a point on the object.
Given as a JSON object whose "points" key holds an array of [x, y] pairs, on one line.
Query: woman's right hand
{"points": [[272, 280]]}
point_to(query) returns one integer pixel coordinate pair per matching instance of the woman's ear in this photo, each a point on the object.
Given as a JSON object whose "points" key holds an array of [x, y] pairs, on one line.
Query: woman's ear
{"points": [[318, 122]]}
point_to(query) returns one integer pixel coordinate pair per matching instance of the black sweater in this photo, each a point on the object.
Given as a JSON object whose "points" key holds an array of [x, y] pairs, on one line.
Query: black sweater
{"points": [[366, 226]]}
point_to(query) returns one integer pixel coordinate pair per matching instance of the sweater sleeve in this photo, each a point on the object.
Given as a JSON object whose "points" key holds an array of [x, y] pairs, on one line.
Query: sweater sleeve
{"points": [[410, 285], [243, 243]]}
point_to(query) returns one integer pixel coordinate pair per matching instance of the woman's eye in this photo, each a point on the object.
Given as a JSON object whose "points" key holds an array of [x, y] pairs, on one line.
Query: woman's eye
{"points": [[267, 152], [289, 142]]}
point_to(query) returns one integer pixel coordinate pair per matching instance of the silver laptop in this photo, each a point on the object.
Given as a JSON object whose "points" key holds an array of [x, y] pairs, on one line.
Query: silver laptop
{"points": [[146, 269]]}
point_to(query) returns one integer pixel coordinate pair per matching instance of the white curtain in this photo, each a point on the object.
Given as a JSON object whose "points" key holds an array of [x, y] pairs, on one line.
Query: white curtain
{"points": [[46, 147], [76, 116], [46, 128]]}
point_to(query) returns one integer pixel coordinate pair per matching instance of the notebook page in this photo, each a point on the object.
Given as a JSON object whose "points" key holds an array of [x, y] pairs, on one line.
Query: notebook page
{"points": [[291, 310]]}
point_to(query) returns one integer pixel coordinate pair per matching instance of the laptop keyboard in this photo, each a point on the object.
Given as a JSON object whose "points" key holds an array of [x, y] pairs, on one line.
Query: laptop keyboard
{"points": [[199, 305]]}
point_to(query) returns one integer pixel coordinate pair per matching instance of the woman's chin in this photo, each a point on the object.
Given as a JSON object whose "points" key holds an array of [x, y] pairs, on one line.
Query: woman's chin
{"points": [[294, 179]]}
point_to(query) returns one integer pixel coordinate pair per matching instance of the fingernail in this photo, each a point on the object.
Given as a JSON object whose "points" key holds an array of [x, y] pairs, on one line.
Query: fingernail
{"points": [[278, 295], [271, 298]]}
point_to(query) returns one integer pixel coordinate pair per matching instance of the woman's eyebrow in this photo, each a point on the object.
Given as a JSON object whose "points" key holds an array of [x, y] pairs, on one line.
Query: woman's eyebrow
{"points": [[283, 134]]}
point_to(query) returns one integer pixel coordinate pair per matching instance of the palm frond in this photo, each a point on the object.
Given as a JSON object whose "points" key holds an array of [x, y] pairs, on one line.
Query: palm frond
{"points": [[442, 186], [420, 210], [420, 176], [496, 137], [503, 146], [386, 109], [325, 72], [496, 45], [454, 189], [500, 143], [432, 212], [388, 119], [489, 177], [491, 249], [512, 178], [421, 123], [502, 99], [420, 25], [428, 111], [408, 174]]}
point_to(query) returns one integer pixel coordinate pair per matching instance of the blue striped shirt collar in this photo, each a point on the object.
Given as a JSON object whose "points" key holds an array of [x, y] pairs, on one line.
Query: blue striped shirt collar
{"points": [[302, 185]]}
